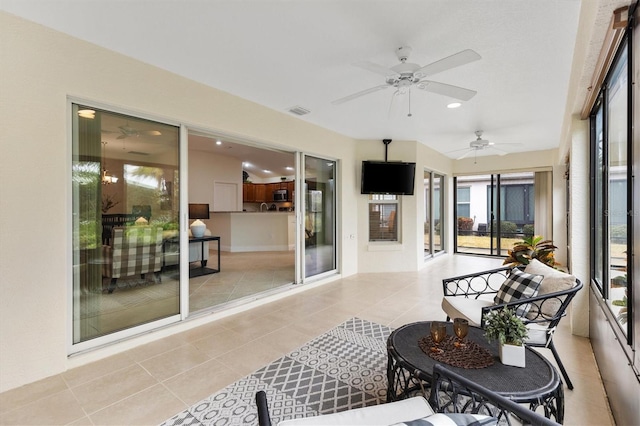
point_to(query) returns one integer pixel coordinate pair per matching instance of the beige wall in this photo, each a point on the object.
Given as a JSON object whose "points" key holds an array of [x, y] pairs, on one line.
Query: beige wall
{"points": [[40, 70]]}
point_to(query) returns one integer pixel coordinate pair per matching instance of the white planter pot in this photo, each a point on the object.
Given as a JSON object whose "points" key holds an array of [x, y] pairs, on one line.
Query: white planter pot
{"points": [[512, 355]]}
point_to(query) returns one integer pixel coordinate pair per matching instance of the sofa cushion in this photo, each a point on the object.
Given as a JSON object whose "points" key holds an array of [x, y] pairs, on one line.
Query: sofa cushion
{"points": [[452, 419], [552, 282], [463, 307], [518, 285], [383, 414]]}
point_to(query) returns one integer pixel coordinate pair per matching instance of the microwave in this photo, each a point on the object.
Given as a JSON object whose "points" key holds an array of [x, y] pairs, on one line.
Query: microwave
{"points": [[280, 195]]}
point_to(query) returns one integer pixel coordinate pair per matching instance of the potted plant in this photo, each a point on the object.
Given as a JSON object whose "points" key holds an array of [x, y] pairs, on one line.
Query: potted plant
{"points": [[508, 329], [533, 247]]}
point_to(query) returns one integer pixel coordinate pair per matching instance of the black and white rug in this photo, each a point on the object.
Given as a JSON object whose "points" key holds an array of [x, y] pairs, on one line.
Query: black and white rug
{"points": [[341, 369]]}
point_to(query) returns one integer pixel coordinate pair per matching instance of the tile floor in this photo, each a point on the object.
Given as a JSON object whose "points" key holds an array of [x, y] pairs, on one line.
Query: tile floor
{"points": [[150, 383]]}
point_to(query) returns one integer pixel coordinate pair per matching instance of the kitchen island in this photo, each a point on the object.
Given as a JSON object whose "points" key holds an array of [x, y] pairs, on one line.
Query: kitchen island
{"points": [[254, 231]]}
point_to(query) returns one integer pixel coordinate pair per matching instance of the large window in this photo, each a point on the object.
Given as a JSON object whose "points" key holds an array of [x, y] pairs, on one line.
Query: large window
{"points": [[125, 203], [611, 193]]}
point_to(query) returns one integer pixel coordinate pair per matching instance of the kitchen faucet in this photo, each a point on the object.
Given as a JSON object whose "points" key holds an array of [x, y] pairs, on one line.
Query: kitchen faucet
{"points": [[264, 204]]}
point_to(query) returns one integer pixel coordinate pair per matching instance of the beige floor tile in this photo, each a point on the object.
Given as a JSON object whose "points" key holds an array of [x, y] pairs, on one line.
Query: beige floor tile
{"points": [[110, 388], [85, 421], [32, 392], [218, 344], [283, 340], [57, 409], [248, 358], [201, 381], [149, 407], [179, 360], [79, 375], [157, 347]]}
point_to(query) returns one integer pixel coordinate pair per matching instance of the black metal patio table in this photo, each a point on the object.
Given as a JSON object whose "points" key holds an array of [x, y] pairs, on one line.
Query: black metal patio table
{"points": [[409, 371]]}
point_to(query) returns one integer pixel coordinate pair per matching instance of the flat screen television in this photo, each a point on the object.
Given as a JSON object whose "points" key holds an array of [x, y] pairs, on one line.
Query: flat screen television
{"points": [[387, 177]]}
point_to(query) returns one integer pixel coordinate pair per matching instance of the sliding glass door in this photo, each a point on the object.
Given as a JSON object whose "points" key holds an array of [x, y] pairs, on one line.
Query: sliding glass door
{"points": [[319, 216], [125, 175], [494, 211], [433, 185]]}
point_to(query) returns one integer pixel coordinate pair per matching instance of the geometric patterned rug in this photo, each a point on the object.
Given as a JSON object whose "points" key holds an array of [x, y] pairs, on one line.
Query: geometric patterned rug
{"points": [[341, 369]]}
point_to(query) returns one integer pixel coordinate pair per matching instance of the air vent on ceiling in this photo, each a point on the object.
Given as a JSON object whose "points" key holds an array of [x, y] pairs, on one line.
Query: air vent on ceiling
{"points": [[138, 153], [298, 110]]}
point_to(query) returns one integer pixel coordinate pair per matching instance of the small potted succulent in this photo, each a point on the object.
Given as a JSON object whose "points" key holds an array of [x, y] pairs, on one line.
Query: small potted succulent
{"points": [[508, 329]]}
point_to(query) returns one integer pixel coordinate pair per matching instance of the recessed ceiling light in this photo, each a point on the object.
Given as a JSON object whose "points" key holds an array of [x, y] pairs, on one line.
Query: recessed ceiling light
{"points": [[218, 142], [267, 171], [247, 164], [289, 168], [454, 105]]}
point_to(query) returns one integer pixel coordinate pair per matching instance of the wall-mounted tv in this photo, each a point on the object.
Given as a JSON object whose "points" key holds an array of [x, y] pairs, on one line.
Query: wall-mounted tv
{"points": [[392, 177]]}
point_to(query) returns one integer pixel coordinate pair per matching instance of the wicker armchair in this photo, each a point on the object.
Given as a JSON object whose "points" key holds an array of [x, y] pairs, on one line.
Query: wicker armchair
{"points": [[471, 296], [134, 250]]}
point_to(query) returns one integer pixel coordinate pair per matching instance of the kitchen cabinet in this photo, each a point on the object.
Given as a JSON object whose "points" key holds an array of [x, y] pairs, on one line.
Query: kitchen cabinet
{"points": [[291, 186], [248, 192], [260, 191], [263, 192]]}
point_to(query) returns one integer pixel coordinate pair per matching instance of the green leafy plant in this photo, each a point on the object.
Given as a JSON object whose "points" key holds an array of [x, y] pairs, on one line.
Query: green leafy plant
{"points": [[504, 326], [534, 247]]}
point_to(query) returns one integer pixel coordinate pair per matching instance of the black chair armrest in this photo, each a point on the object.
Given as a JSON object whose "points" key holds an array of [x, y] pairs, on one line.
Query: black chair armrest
{"points": [[451, 392], [263, 409], [476, 284]]}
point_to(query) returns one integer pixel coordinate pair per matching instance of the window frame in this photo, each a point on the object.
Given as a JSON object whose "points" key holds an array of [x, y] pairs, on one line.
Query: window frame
{"points": [[385, 200], [600, 227]]}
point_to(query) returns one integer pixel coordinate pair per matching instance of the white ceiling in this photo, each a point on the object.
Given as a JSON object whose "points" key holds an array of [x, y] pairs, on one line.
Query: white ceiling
{"points": [[301, 53]]}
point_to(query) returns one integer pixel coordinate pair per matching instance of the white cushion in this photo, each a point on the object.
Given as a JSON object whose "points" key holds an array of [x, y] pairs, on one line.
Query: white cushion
{"points": [[462, 307], [383, 414], [537, 333], [553, 281], [452, 419]]}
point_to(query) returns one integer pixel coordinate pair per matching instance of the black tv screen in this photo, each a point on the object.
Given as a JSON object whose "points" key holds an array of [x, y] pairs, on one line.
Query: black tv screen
{"points": [[381, 177]]}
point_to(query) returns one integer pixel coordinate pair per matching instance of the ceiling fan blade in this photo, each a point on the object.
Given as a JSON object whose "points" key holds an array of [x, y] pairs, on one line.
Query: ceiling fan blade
{"points": [[378, 69], [122, 136], [358, 94], [498, 151], [446, 90], [465, 154], [150, 132], [453, 61]]}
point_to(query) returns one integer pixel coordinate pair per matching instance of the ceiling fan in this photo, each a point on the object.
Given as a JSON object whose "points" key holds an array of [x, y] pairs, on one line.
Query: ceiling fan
{"points": [[481, 144], [127, 131], [406, 75]]}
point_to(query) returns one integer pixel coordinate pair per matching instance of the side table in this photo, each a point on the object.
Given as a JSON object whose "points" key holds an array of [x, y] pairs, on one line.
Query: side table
{"points": [[203, 270]]}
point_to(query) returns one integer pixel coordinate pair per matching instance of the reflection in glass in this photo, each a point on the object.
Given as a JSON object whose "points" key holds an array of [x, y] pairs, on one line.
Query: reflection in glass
{"points": [[616, 214], [125, 202], [319, 215]]}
